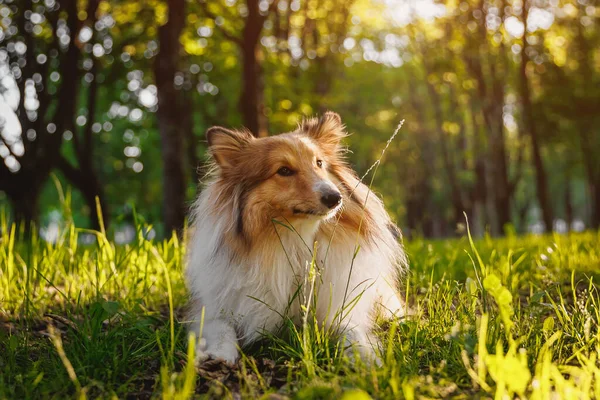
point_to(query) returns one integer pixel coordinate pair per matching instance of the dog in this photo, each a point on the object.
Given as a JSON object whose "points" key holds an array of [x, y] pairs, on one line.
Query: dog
{"points": [[273, 207]]}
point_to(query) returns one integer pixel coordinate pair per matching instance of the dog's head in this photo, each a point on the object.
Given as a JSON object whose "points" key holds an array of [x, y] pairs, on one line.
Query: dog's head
{"points": [[289, 176]]}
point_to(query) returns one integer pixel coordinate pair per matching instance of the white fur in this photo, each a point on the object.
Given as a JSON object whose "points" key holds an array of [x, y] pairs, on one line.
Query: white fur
{"points": [[244, 297]]}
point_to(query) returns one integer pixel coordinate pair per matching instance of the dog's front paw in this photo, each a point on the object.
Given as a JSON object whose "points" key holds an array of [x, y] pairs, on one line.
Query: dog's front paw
{"points": [[360, 344], [221, 351], [366, 354]]}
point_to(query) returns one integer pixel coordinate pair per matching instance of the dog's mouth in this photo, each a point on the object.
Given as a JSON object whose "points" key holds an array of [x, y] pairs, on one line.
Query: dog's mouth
{"points": [[317, 213], [298, 211]]}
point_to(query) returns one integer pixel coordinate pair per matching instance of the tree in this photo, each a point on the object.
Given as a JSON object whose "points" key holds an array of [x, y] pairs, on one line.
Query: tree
{"points": [[172, 118], [84, 176], [491, 91], [531, 128], [42, 133], [587, 102], [251, 102]]}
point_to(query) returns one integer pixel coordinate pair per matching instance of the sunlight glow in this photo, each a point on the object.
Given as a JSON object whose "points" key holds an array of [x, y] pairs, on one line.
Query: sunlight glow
{"points": [[403, 12]]}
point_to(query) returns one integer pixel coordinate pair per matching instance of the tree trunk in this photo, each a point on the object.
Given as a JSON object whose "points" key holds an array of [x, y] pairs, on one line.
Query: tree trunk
{"points": [[191, 142], [458, 204], [455, 192], [478, 193], [171, 122], [23, 187], [491, 95], [501, 184], [541, 181], [251, 99], [25, 203], [419, 206], [90, 192], [568, 201], [588, 146], [595, 189], [251, 105], [418, 218], [85, 180]]}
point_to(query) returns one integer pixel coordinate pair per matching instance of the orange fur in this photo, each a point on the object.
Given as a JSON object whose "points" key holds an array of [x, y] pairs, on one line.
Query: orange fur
{"points": [[248, 178]]}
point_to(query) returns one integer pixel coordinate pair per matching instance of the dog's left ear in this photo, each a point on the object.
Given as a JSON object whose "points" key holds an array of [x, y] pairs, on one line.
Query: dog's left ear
{"points": [[328, 130], [226, 145]]}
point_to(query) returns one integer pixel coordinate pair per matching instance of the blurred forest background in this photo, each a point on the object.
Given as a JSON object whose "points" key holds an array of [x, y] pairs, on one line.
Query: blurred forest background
{"points": [[501, 100]]}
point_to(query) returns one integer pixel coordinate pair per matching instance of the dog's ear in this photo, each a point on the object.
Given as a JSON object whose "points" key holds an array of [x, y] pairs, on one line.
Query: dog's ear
{"points": [[226, 145], [328, 130]]}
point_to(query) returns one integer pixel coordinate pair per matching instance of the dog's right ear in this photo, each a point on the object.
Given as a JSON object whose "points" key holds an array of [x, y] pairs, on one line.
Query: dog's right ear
{"points": [[226, 145]]}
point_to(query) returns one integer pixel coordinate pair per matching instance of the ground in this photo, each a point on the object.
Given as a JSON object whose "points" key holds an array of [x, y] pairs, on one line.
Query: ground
{"points": [[516, 316]]}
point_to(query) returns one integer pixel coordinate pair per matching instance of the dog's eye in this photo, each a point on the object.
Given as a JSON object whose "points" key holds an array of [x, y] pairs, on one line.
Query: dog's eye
{"points": [[319, 163], [285, 171]]}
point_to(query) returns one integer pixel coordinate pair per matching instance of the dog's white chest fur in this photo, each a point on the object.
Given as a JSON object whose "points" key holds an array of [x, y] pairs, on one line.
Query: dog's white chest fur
{"points": [[250, 293]]}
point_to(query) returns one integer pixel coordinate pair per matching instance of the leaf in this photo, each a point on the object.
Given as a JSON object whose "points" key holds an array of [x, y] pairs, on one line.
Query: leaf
{"points": [[510, 369], [13, 343], [503, 298], [537, 297], [548, 325], [471, 286], [355, 394], [111, 307]]}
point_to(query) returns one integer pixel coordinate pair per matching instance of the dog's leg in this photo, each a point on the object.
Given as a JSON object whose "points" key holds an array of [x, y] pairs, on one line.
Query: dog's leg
{"points": [[389, 304], [218, 341]]}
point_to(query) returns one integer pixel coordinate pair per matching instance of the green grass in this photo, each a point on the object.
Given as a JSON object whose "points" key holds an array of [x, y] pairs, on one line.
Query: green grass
{"points": [[502, 317]]}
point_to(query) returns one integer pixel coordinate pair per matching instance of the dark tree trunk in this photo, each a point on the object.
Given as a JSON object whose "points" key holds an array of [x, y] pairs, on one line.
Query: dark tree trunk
{"points": [[86, 181], [522, 216], [491, 95], [595, 220], [569, 215], [91, 191], [587, 137], [23, 187], [419, 208], [478, 194], [26, 209], [541, 181], [171, 122], [85, 178], [418, 218], [328, 68], [592, 172], [251, 105], [251, 99], [450, 169], [191, 142], [502, 186], [25, 203]]}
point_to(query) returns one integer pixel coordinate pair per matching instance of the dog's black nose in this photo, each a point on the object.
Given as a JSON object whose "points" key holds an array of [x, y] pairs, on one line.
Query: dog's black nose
{"points": [[331, 199]]}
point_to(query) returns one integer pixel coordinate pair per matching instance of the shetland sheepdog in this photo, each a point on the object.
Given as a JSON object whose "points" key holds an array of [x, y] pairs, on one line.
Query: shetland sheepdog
{"points": [[273, 211]]}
